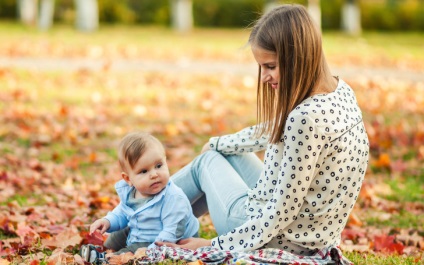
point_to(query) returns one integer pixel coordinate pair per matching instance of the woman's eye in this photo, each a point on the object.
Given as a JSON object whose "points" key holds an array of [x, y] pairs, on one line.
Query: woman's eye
{"points": [[271, 67]]}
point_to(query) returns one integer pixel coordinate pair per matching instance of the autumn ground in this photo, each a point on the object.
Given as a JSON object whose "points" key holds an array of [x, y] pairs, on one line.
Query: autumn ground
{"points": [[65, 106]]}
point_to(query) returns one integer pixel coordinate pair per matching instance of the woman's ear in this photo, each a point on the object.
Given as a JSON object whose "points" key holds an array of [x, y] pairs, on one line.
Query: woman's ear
{"points": [[126, 178]]}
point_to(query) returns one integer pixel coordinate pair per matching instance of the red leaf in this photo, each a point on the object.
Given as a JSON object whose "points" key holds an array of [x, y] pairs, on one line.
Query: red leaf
{"points": [[385, 243], [96, 238], [27, 234], [352, 234]]}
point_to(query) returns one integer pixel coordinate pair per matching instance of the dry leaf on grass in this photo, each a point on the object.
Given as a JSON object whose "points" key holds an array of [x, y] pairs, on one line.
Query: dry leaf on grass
{"points": [[119, 259], [141, 252]]}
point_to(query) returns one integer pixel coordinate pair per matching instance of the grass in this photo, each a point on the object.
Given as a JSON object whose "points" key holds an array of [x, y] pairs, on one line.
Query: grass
{"points": [[153, 42], [401, 219], [381, 259], [407, 189]]}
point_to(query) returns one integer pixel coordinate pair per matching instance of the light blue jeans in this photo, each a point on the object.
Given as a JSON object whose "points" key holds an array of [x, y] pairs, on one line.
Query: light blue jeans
{"points": [[218, 184]]}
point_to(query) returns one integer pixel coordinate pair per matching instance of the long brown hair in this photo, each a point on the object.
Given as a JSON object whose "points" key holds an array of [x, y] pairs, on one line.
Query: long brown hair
{"points": [[290, 32]]}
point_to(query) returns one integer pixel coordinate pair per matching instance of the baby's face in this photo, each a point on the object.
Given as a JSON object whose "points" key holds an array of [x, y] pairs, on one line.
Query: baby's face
{"points": [[150, 174]]}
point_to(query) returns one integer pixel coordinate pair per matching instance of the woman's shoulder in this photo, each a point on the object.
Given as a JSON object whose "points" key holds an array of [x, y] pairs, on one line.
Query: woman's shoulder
{"points": [[341, 97], [330, 109]]}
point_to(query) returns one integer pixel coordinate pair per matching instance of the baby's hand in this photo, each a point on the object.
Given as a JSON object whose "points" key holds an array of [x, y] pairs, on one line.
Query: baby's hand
{"points": [[101, 224]]}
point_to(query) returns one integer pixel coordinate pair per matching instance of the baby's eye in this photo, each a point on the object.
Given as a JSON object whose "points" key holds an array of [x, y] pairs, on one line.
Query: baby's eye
{"points": [[158, 165], [143, 171]]}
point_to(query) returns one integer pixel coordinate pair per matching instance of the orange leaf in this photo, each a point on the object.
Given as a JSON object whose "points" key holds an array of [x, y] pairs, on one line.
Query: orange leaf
{"points": [[383, 161], [354, 220], [93, 157]]}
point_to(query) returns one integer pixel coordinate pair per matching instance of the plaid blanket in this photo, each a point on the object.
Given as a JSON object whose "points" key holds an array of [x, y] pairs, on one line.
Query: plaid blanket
{"points": [[213, 256]]}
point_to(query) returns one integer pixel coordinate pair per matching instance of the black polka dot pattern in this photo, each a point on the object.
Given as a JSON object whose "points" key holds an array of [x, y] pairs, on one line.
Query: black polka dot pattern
{"points": [[310, 181]]}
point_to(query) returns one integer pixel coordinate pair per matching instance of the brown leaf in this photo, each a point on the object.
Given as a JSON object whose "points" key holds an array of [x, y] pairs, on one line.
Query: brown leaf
{"points": [[119, 259], [69, 237], [60, 257], [141, 252]]}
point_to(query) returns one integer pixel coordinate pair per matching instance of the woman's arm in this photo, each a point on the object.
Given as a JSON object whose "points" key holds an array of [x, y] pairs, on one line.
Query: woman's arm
{"points": [[297, 167], [238, 143]]}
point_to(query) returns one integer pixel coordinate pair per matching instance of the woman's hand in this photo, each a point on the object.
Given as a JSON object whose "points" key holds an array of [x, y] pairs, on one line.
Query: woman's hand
{"points": [[100, 224], [192, 243], [205, 148]]}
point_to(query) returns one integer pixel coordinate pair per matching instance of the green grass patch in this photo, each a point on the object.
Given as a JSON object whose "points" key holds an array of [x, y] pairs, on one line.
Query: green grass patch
{"points": [[375, 45], [22, 200], [209, 43], [407, 189], [403, 219], [381, 259], [207, 233], [25, 200]]}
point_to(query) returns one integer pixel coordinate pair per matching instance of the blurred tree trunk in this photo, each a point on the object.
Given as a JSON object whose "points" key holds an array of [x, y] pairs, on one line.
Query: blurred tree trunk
{"points": [[45, 20], [27, 11], [87, 18], [351, 17], [314, 10], [269, 5], [182, 15]]}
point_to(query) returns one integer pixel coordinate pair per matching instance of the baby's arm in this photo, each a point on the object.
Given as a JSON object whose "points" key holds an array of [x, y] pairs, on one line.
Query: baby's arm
{"points": [[175, 215]]}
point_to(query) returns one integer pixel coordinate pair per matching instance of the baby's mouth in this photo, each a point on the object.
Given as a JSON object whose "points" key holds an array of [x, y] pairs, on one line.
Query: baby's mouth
{"points": [[155, 184]]}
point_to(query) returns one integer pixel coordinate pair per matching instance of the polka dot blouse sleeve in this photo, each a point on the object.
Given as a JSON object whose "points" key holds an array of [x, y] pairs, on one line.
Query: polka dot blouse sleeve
{"points": [[239, 143], [297, 157]]}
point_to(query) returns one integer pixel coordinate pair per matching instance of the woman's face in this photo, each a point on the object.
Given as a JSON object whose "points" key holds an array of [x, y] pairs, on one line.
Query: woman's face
{"points": [[267, 60]]}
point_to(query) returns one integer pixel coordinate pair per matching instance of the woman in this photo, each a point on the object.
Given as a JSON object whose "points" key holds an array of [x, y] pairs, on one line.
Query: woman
{"points": [[316, 150], [299, 198]]}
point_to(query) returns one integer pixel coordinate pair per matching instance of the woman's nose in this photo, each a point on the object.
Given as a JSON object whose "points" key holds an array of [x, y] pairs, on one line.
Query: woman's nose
{"points": [[265, 77]]}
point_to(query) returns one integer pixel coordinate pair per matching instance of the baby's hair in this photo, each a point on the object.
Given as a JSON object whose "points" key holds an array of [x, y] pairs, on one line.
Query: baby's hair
{"points": [[133, 146]]}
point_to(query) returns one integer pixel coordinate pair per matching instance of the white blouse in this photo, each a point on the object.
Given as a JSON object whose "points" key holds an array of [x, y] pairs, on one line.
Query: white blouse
{"points": [[310, 180]]}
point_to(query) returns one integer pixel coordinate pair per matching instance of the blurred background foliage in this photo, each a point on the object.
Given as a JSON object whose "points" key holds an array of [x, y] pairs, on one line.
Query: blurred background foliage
{"points": [[389, 15]]}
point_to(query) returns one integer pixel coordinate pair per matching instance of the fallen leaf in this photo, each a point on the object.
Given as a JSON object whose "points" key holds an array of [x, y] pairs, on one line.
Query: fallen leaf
{"points": [[119, 259], [385, 243], [69, 237]]}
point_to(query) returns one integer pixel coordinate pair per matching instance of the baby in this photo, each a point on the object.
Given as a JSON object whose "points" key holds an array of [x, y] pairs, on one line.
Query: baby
{"points": [[151, 205]]}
